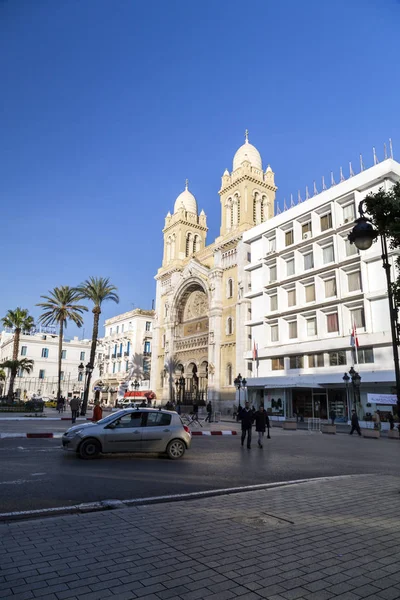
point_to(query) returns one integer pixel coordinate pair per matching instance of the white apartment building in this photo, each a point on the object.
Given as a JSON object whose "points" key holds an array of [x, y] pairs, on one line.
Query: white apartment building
{"points": [[42, 347], [307, 286], [125, 353]]}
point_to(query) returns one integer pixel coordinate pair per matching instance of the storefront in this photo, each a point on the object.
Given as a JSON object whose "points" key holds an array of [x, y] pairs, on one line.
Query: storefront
{"points": [[309, 396]]}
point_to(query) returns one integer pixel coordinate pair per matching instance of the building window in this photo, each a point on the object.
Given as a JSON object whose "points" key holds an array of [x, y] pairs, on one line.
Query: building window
{"points": [[163, 341], [289, 237], [310, 292], [349, 213], [63, 354], [306, 230], [229, 374], [45, 353], [291, 297], [337, 358], [147, 347], [290, 267], [122, 328], [113, 369], [316, 360], [20, 373], [308, 261], [357, 317], [278, 364], [80, 376], [274, 333], [119, 367], [296, 362], [188, 242], [61, 375], [24, 350], [148, 326], [332, 323], [272, 273], [82, 356], [354, 281], [229, 326], [272, 245], [365, 355], [41, 374], [312, 326], [229, 291], [111, 330], [351, 249], [273, 302], [326, 221], [330, 287], [292, 330], [328, 254], [126, 365]]}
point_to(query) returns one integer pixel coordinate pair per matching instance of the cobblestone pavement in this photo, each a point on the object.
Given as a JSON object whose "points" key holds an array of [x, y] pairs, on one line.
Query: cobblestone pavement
{"points": [[338, 538]]}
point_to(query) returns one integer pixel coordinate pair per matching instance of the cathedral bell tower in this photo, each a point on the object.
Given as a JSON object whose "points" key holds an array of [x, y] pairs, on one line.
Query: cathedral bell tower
{"points": [[247, 193], [185, 231]]}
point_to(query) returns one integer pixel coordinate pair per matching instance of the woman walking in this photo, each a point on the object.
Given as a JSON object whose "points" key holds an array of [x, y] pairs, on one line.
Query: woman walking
{"points": [[262, 423]]}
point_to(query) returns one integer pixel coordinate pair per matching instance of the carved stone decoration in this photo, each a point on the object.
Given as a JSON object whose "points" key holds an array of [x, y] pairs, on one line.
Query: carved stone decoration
{"points": [[196, 306]]}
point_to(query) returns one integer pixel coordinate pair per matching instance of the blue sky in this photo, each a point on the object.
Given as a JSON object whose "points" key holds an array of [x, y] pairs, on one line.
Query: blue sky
{"points": [[108, 105]]}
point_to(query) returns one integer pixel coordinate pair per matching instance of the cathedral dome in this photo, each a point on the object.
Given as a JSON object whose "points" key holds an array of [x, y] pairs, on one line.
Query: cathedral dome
{"points": [[247, 152], [187, 200]]}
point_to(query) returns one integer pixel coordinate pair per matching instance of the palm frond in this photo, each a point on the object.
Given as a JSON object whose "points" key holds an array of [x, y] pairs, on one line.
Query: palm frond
{"points": [[61, 306], [19, 319], [98, 290]]}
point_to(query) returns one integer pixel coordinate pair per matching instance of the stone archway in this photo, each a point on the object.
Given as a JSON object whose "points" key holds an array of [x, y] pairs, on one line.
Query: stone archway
{"points": [[190, 339]]}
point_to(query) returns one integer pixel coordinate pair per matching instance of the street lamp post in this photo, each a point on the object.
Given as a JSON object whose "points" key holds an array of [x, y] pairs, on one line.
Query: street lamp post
{"points": [[363, 235], [240, 382], [346, 380], [356, 383], [88, 370], [135, 385]]}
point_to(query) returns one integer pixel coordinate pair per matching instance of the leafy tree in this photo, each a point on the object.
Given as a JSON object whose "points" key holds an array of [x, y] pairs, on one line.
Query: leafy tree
{"points": [[19, 320], [23, 365], [97, 290], [2, 378], [59, 308], [384, 209], [170, 367]]}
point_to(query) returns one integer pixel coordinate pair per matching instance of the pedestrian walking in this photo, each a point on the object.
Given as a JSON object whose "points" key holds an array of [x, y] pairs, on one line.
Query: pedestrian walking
{"points": [[332, 416], [97, 412], [355, 425], [262, 423], [74, 406], [195, 411], [247, 418], [391, 420], [178, 407], [209, 412]]}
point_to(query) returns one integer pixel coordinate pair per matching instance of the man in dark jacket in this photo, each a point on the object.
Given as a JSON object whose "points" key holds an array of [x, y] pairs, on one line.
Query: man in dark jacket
{"points": [[247, 418], [74, 406], [209, 412], [262, 423], [355, 425]]}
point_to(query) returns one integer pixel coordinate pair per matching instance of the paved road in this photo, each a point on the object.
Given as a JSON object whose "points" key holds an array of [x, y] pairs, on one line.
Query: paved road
{"points": [[38, 474]]}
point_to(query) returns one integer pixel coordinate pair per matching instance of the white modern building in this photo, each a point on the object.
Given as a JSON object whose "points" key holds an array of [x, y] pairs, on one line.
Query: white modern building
{"points": [[42, 347], [125, 353], [307, 287]]}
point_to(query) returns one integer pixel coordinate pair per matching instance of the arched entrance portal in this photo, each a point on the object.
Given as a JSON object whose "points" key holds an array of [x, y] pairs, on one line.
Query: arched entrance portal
{"points": [[190, 343]]}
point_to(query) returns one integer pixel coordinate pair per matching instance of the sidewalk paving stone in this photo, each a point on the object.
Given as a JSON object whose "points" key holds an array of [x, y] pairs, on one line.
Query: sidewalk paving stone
{"points": [[339, 540]]}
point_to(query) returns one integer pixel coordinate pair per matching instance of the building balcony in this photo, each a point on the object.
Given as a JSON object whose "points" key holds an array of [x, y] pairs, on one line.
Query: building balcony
{"points": [[146, 353], [113, 356], [119, 355], [126, 353]]}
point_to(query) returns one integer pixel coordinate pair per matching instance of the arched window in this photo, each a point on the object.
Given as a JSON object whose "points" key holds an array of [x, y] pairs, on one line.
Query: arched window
{"points": [[188, 243], [255, 210], [229, 326], [238, 211], [173, 238], [229, 290], [229, 374], [232, 213], [168, 249], [196, 244]]}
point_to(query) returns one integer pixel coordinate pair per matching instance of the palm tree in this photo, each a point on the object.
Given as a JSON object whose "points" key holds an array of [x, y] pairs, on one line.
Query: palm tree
{"points": [[23, 365], [171, 366], [19, 320], [2, 378], [60, 307], [98, 290]]}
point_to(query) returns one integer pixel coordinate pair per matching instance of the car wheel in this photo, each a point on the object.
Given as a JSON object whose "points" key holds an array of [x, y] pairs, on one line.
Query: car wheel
{"points": [[89, 449], [176, 449]]}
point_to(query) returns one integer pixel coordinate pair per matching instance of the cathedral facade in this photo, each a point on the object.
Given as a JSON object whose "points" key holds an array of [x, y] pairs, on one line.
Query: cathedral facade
{"points": [[200, 333]]}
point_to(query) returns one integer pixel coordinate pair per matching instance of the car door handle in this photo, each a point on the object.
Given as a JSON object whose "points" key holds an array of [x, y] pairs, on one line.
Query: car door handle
{"points": [[165, 430], [136, 431]]}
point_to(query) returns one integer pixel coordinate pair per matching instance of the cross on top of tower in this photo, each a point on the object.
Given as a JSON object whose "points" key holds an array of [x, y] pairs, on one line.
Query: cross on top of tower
{"points": [[186, 184], [246, 136]]}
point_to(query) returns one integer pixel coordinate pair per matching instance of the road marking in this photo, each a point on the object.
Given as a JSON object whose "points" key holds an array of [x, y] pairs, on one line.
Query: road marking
{"points": [[19, 481], [37, 474]]}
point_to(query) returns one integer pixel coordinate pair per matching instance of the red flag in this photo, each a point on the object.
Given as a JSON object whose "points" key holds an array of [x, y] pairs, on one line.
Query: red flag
{"points": [[353, 337]]}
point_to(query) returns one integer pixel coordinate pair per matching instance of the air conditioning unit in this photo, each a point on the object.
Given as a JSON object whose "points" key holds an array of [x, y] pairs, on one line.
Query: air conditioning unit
{"points": [[346, 220], [307, 235]]}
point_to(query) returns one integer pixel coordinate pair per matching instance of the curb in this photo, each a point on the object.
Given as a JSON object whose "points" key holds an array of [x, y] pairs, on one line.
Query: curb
{"points": [[4, 436], [34, 419], [214, 432]]}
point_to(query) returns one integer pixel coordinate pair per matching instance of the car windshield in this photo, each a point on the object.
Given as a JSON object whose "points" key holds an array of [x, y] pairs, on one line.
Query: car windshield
{"points": [[108, 419]]}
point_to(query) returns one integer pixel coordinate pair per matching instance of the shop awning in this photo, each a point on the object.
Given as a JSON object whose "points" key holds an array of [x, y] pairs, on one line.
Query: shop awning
{"points": [[138, 394], [321, 380]]}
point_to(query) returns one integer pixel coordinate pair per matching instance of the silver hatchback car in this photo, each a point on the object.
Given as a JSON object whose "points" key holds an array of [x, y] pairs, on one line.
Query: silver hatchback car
{"points": [[130, 430]]}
